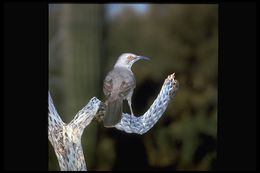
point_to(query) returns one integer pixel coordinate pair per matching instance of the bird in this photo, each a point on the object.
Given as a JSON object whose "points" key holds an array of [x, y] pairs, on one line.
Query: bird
{"points": [[119, 85]]}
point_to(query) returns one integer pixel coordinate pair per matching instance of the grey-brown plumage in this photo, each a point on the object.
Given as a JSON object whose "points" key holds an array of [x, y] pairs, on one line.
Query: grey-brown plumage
{"points": [[119, 85]]}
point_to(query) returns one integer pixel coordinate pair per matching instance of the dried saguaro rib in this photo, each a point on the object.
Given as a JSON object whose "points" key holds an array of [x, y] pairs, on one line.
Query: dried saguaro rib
{"points": [[142, 124], [66, 138]]}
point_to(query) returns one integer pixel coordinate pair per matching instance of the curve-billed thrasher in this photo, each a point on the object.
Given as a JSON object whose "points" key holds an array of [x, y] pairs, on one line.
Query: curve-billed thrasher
{"points": [[119, 85]]}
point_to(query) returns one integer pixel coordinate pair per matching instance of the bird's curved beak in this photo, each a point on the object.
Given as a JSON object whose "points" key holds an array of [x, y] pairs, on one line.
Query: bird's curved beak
{"points": [[143, 57]]}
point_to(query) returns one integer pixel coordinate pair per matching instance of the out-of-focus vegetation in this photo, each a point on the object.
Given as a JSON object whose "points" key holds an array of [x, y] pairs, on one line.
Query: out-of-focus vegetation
{"points": [[178, 38]]}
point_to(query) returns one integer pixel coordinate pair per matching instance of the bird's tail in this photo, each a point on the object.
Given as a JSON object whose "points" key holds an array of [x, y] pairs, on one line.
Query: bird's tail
{"points": [[113, 112]]}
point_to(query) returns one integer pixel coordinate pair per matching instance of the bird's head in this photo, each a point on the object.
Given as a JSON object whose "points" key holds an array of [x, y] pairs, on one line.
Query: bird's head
{"points": [[128, 59]]}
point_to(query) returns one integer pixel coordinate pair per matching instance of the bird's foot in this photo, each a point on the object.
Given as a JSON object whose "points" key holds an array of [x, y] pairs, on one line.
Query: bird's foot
{"points": [[101, 112]]}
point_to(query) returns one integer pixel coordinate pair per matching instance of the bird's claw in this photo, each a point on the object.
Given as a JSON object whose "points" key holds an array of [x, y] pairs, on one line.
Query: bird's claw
{"points": [[101, 112]]}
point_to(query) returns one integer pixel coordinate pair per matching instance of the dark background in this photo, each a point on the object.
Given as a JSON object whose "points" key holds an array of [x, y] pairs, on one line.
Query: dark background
{"points": [[21, 142]]}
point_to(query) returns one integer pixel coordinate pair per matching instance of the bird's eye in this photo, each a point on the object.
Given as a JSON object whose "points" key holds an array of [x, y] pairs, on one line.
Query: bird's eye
{"points": [[130, 57]]}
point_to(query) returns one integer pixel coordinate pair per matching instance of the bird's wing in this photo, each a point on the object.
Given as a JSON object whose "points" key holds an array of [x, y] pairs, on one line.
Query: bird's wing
{"points": [[126, 87], [120, 82], [108, 85]]}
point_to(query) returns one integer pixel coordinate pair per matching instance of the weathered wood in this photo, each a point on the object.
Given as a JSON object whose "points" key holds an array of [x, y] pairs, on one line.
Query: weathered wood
{"points": [[66, 138]]}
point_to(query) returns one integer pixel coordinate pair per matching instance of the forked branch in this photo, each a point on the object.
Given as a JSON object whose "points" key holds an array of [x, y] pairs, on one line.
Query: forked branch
{"points": [[66, 138]]}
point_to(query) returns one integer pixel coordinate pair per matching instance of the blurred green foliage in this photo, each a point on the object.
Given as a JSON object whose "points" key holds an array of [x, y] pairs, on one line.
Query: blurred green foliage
{"points": [[178, 38]]}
